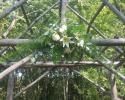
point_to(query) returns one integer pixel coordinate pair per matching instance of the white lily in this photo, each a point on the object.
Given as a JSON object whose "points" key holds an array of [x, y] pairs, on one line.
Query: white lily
{"points": [[66, 40]]}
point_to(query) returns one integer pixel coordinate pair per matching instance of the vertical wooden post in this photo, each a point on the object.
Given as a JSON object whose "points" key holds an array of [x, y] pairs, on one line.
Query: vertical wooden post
{"points": [[114, 92], [63, 7], [63, 4], [10, 87]]}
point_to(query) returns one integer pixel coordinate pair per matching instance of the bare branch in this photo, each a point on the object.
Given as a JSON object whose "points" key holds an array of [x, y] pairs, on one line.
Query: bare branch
{"points": [[115, 10], [92, 82], [33, 83], [92, 26], [14, 66], [109, 42], [39, 17], [122, 77], [94, 17], [86, 22], [12, 8], [26, 18], [10, 27]]}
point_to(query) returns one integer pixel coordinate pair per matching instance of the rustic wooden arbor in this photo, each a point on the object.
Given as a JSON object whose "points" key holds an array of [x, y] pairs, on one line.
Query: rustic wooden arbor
{"points": [[115, 43]]}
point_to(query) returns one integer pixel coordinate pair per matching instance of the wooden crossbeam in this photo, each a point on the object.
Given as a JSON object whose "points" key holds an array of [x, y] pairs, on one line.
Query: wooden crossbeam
{"points": [[69, 64], [13, 42], [97, 42], [109, 42]]}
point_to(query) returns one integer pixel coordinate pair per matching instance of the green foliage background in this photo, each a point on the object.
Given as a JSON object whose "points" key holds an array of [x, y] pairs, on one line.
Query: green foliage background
{"points": [[52, 86]]}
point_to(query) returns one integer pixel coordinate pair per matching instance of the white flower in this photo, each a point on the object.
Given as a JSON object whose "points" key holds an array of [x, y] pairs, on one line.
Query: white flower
{"points": [[63, 28], [80, 43], [19, 74], [55, 37], [66, 40], [33, 60]]}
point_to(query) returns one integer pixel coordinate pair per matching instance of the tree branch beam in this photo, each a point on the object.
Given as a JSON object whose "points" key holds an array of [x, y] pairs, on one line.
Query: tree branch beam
{"points": [[39, 17], [92, 82], [13, 42], [12, 8], [12, 25], [95, 15], [97, 42], [86, 22], [115, 10], [69, 64], [109, 42], [14, 66], [112, 70], [93, 27], [26, 18], [33, 83]]}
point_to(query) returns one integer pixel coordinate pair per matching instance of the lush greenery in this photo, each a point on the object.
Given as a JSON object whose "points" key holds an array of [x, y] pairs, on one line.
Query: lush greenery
{"points": [[73, 45]]}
